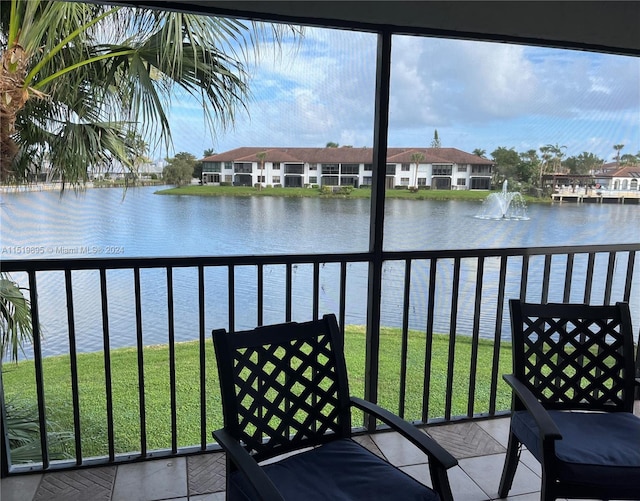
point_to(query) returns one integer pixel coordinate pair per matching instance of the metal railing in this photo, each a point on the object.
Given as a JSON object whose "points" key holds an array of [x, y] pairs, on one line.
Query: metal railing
{"points": [[442, 308]]}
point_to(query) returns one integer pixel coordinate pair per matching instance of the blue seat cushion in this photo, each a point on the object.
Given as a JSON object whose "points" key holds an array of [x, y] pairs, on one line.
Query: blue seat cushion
{"points": [[596, 448], [340, 470]]}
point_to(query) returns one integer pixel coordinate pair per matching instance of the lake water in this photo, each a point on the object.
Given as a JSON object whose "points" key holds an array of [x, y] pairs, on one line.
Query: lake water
{"points": [[108, 222]]}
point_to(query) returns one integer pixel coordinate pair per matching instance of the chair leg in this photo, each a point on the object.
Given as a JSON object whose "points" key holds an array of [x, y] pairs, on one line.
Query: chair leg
{"points": [[510, 465]]}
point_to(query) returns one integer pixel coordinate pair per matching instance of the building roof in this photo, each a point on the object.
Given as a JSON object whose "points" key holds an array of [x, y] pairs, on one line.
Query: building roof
{"points": [[612, 169], [346, 155]]}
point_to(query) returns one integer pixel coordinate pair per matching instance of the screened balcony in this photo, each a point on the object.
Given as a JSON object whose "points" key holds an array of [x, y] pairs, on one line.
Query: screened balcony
{"points": [[427, 388]]}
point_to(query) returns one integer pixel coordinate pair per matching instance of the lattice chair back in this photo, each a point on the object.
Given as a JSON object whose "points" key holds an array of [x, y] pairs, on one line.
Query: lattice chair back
{"points": [[284, 386], [574, 356]]}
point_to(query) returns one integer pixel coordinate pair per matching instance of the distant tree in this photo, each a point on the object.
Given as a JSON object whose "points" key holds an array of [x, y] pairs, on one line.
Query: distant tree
{"points": [[138, 148], [629, 159], [261, 156], [331, 144], [480, 153], [179, 169], [436, 140], [416, 158], [557, 154], [528, 166], [197, 171], [209, 151], [546, 157], [506, 162], [584, 163], [618, 148]]}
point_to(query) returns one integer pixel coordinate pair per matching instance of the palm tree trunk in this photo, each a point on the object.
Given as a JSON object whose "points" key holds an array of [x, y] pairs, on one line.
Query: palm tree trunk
{"points": [[13, 97]]}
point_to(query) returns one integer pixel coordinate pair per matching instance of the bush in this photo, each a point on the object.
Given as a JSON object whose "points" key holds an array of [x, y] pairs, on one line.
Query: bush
{"points": [[225, 183], [345, 190], [326, 190], [400, 187]]}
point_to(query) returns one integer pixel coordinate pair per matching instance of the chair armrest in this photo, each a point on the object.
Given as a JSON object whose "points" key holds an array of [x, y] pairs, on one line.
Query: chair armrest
{"points": [[546, 425], [247, 465], [421, 440]]}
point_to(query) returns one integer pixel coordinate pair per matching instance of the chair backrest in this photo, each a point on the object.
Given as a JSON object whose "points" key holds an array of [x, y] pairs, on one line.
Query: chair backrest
{"points": [[574, 356], [284, 386]]}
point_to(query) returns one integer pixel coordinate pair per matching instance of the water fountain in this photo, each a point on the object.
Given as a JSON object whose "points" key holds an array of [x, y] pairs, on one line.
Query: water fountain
{"points": [[503, 205]]}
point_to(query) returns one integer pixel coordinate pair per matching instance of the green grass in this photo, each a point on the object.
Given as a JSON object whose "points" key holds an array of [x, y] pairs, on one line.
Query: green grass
{"points": [[248, 191], [19, 384]]}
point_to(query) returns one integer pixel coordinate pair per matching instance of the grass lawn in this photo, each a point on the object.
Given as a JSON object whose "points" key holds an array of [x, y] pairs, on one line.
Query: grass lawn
{"points": [[247, 191], [19, 384]]}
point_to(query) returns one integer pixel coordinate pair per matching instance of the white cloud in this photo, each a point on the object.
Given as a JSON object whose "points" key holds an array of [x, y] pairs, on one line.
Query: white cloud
{"points": [[476, 94]]}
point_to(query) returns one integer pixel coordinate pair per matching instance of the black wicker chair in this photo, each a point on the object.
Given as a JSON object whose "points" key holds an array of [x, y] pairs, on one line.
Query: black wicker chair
{"points": [[285, 393], [573, 387]]}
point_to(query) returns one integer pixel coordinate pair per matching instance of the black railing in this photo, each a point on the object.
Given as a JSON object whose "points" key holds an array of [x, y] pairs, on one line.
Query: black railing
{"points": [[447, 308]]}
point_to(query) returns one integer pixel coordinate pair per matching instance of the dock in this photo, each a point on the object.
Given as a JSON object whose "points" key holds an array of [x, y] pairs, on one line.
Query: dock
{"points": [[596, 196]]}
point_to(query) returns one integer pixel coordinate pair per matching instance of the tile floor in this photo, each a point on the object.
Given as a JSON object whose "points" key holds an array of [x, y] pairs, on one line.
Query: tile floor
{"points": [[479, 447]]}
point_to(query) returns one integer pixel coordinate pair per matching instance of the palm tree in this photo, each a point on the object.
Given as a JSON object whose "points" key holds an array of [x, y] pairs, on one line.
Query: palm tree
{"points": [[480, 152], [546, 156], [618, 148], [76, 78], [15, 319], [261, 156], [416, 158]]}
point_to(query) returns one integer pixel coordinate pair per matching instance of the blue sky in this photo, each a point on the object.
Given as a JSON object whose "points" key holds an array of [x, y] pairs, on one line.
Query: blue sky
{"points": [[476, 94]]}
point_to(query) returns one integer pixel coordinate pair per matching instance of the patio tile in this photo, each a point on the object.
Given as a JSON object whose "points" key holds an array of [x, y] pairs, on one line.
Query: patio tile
{"points": [[420, 472], [398, 450], [487, 470], [497, 428], [19, 488], [465, 440], [367, 442], [463, 487], [92, 483], [151, 480], [206, 473], [214, 496]]}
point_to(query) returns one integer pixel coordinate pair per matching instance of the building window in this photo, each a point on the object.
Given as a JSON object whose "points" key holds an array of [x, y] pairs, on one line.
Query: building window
{"points": [[211, 166], [293, 169], [634, 184], [313, 166], [367, 180], [330, 181], [481, 169], [276, 179], [461, 181], [462, 168], [404, 181], [391, 169], [313, 179], [350, 169], [368, 166], [243, 168], [442, 170], [260, 179], [422, 181], [330, 168], [276, 165], [228, 178], [228, 165], [405, 168]]}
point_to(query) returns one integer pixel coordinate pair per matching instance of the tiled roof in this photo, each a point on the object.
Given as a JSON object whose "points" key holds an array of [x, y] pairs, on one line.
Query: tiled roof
{"points": [[614, 170], [346, 155]]}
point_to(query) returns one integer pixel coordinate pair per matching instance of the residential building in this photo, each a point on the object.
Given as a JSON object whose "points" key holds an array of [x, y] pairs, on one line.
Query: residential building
{"points": [[436, 168], [613, 176]]}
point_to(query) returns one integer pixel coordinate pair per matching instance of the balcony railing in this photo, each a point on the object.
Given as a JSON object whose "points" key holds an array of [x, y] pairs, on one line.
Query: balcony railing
{"points": [[445, 306]]}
